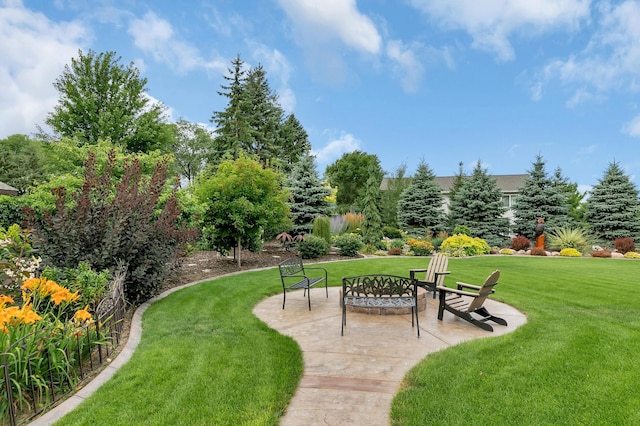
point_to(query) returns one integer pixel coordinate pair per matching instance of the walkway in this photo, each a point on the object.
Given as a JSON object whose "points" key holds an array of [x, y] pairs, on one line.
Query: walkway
{"points": [[351, 380]]}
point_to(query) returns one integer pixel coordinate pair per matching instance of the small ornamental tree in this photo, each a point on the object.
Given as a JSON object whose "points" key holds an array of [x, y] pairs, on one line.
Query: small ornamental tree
{"points": [[104, 223], [242, 199], [308, 196], [372, 224], [420, 205], [613, 209], [478, 205]]}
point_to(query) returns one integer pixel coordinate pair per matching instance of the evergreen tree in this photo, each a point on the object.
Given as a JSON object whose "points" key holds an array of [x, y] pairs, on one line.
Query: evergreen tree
{"points": [[478, 205], [308, 195], [613, 209], [457, 183], [232, 124], [391, 195], [372, 224], [101, 99], [539, 197], [420, 205], [573, 197], [294, 142]]}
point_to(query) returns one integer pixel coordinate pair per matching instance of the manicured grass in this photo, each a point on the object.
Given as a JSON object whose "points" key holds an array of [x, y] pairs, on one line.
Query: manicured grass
{"points": [[205, 359]]}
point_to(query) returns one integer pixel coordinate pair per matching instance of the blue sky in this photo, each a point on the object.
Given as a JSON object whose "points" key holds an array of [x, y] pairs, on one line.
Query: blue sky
{"points": [[444, 81]]}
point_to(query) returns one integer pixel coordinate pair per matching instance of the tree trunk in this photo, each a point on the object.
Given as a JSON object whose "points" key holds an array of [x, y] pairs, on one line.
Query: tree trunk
{"points": [[239, 253]]}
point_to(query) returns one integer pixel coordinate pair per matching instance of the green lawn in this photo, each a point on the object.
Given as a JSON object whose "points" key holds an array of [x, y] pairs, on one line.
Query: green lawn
{"points": [[205, 359]]}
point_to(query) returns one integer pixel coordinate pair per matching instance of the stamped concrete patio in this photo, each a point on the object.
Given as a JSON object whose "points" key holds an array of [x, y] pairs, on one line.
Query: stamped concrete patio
{"points": [[351, 379]]}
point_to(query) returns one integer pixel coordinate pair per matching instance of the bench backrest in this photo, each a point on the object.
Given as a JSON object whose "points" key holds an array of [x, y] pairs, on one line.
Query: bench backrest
{"points": [[379, 285], [438, 263], [291, 267], [485, 291]]}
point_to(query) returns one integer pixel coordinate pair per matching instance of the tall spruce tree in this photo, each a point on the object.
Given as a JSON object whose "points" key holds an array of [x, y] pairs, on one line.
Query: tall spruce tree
{"points": [[308, 195], [613, 209], [458, 181], [539, 197], [478, 205], [294, 142], [420, 205], [574, 199], [372, 224]]}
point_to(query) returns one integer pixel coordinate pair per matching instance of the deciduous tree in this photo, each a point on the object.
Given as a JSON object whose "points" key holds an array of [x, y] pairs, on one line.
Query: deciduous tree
{"points": [[102, 99], [349, 174]]}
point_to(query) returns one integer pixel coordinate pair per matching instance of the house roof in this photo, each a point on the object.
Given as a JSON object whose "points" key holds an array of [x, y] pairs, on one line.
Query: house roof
{"points": [[7, 190], [506, 183]]}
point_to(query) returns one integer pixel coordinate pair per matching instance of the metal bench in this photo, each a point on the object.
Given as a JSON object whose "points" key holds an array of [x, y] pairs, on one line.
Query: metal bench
{"points": [[380, 291], [293, 275]]}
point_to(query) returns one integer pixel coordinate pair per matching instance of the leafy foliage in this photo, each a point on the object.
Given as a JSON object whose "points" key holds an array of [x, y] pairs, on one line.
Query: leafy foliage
{"points": [[624, 245], [632, 255], [322, 228], [568, 238], [107, 223], [312, 247], [22, 162], [464, 245], [613, 209], [243, 199], [308, 195], [570, 252], [420, 246], [395, 185], [102, 100], [348, 244], [350, 174], [520, 243], [478, 205], [191, 148], [420, 204]]}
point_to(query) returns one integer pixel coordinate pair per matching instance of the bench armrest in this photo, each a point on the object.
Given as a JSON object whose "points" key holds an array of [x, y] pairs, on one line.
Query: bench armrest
{"points": [[453, 290], [465, 285]]}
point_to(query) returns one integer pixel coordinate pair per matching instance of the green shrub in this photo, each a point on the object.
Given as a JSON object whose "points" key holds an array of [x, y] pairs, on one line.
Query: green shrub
{"points": [[463, 245], [420, 246], [91, 285], [562, 238], [391, 232], [322, 228], [520, 243], [462, 229], [313, 247], [570, 252], [624, 245], [348, 244], [398, 243], [632, 255]]}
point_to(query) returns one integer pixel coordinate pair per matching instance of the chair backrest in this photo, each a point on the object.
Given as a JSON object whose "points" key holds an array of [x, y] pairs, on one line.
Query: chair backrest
{"points": [[485, 291], [438, 263]]}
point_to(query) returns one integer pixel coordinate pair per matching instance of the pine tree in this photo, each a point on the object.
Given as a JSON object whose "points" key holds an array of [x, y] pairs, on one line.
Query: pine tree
{"points": [[391, 195], [478, 205], [372, 224], [420, 205], [539, 197], [294, 142], [574, 199], [308, 195], [613, 209], [457, 183]]}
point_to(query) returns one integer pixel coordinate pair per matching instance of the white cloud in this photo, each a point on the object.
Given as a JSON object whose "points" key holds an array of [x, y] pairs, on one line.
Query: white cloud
{"points": [[155, 36], [335, 148], [491, 23], [611, 59], [33, 53], [632, 128], [321, 22], [408, 67], [580, 96]]}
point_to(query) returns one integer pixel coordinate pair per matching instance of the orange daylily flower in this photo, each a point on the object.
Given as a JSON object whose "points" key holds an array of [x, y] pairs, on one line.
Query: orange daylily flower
{"points": [[83, 315]]}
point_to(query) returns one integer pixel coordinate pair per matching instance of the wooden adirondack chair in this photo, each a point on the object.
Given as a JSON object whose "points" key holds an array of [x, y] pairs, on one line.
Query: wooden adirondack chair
{"points": [[468, 304], [435, 273]]}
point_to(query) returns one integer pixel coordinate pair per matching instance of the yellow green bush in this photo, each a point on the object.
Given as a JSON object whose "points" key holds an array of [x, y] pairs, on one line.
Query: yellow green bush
{"points": [[506, 251], [570, 252], [463, 245], [632, 255], [420, 246]]}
